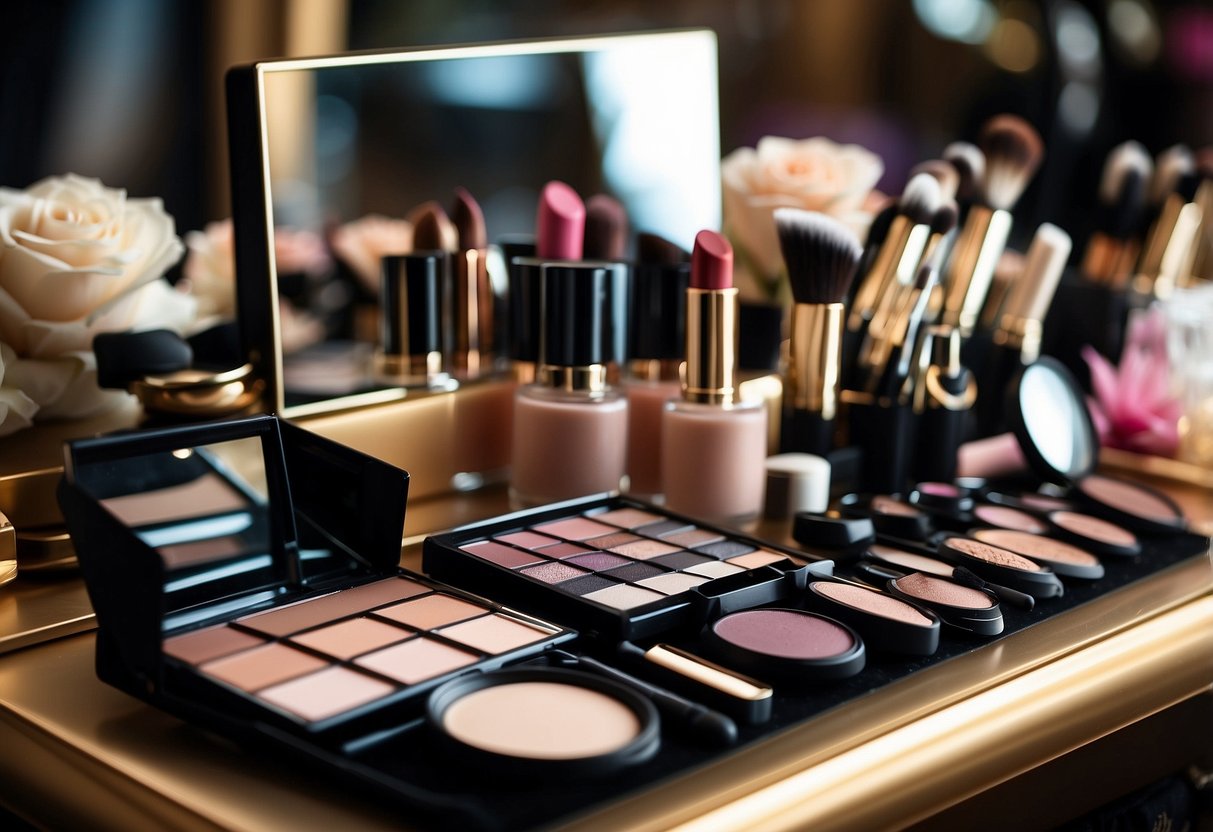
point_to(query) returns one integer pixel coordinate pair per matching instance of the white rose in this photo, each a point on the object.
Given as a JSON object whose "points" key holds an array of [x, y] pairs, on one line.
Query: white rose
{"points": [[815, 174], [361, 244], [76, 259]]}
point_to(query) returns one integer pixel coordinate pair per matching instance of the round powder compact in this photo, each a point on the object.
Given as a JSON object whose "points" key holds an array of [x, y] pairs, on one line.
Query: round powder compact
{"points": [[1004, 517], [1063, 558], [789, 645], [1095, 535], [1002, 566], [885, 623], [545, 722], [973, 610], [1131, 505], [943, 497], [898, 518]]}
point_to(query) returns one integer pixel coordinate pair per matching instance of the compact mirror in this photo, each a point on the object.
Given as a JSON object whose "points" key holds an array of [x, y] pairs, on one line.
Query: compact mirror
{"points": [[318, 144], [1052, 422]]}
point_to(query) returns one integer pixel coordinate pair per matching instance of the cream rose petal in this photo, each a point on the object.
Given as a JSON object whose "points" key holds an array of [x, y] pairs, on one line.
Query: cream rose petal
{"points": [[81, 397], [17, 410]]}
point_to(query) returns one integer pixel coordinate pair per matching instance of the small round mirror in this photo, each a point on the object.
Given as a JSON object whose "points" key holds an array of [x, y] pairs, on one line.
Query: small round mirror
{"points": [[1053, 424]]}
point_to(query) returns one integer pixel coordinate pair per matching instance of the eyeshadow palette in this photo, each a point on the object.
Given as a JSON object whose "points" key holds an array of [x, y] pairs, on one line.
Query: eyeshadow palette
{"points": [[617, 567], [320, 661]]}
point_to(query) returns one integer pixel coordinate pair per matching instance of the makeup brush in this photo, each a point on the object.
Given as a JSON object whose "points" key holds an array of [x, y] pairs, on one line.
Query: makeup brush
{"points": [[1013, 151], [432, 228], [821, 255], [899, 254], [945, 174], [1202, 266], [471, 294], [1170, 247], [1113, 247], [1016, 340], [878, 230], [606, 229], [970, 165]]}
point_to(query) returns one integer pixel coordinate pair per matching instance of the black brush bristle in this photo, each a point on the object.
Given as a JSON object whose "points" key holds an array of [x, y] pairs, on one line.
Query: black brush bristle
{"points": [[944, 173], [970, 165], [821, 255], [1014, 151], [921, 199], [944, 219], [656, 250]]}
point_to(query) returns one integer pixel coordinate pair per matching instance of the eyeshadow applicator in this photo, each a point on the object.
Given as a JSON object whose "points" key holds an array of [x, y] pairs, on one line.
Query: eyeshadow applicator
{"points": [[821, 255]]}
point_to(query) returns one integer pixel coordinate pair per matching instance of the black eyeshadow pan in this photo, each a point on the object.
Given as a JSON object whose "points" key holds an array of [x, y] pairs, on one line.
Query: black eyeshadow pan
{"points": [[634, 572], [586, 585], [681, 560], [726, 549]]}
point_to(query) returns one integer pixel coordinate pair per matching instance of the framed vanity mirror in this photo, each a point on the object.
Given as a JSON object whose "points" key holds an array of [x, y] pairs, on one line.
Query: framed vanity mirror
{"points": [[317, 144]]}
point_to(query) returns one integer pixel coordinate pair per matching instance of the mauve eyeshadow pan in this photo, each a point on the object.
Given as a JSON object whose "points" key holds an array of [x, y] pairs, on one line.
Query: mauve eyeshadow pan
{"points": [[598, 561], [725, 549], [588, 584], [634, 572], [789, 634], [553, 572], [575, 528], [211, 643], [501, 555], [527, 540], [664, 527], [681, 560], [563, 550]]}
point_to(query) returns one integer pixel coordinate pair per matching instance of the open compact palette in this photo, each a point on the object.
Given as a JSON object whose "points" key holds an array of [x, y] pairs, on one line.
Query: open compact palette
{"points": [[245, 578]]}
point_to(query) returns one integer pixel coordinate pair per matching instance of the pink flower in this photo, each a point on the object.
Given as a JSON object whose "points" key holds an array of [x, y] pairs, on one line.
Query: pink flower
{"points": [[1133, 408]]}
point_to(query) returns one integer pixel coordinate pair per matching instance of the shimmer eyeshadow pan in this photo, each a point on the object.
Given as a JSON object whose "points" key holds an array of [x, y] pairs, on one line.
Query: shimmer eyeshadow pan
{"points": [[681, 560], [553, 573], [599, 561], [586, 585], [1002, 566], [1096, 535], [645, 549], [562, 550], [1063, 558], [663, 528], [1130, 498], [634, 572], [885, 622], [972, 610], [611, 540], [725, 549]]}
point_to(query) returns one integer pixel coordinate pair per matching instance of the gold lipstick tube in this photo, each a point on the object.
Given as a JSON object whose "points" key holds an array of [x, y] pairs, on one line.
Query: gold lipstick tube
{"points": [[971, 267], [712, 344]]}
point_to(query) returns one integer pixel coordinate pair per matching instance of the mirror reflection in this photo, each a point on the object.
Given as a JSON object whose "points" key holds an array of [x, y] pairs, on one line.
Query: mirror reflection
{"points": [[354, 147], [1055, 419]]}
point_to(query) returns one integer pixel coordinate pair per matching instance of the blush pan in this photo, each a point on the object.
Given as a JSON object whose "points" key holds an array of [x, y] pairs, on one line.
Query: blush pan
{"points": [[973, 610], [1004, 517], [432, 611], [792, 645], [1063, 558], [351, 637], [886, 623], [1132, 504], [1095, 535], [416, 660], [1002, 566], [260, 667], [213, 642]]}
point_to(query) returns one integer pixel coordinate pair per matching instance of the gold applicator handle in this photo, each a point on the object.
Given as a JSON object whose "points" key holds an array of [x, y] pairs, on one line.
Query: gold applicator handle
{"points": [[896, 260]]}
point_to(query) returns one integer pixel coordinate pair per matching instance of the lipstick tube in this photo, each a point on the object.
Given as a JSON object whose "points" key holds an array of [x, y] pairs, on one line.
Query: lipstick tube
{"points": [[713, 443], [971, 267]]}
